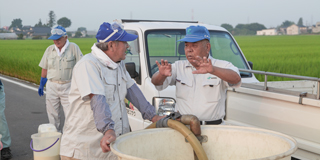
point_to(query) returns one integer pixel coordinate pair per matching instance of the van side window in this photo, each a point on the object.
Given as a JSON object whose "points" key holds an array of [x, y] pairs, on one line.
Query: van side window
{"points": [[162, 44]]}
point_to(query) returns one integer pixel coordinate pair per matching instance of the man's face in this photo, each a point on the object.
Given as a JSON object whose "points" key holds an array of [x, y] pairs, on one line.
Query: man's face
{"points": [[60, 42], [120, 51], [194, 49]]}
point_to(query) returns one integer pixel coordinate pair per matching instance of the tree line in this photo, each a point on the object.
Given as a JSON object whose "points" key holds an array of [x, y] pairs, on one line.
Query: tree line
{"points": [[252, 28], [64, 22]]}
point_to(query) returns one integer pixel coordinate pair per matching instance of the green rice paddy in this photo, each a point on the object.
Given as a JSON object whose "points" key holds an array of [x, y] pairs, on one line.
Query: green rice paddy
{"points": [[298, 55]]}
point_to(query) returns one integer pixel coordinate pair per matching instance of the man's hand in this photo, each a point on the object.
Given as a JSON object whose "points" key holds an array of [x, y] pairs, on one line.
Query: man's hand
{"points": [[43, 81], [164, 68], [108, 137], [204, 65], [40, 91], [157, 118]]}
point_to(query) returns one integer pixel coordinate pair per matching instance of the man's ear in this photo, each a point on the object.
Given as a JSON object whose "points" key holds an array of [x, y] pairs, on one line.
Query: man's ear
{"points": [[208, 47], [110, 45]]}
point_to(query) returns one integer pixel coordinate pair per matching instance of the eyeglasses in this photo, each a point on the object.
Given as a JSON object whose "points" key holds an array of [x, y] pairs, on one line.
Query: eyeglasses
{"points": [[58, 31], [117, 28]]}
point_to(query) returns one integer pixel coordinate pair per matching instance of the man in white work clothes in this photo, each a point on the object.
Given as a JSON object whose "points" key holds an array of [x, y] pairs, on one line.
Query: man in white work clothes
{"points": [[100, 84], [57, 63], [201, 81]]}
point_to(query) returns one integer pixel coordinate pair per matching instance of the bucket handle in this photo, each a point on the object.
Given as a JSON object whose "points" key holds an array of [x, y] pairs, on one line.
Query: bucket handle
{"points": [[41, 150]]}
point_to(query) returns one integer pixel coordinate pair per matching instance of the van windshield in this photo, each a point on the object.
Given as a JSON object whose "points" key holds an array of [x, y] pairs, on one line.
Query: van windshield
{"points": [[162, 44]]}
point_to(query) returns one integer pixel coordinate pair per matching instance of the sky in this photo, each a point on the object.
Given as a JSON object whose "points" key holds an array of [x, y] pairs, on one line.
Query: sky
{"points": [[91, 13]]}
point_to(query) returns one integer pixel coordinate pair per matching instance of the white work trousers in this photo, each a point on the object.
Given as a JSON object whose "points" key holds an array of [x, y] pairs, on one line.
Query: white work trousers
{"points": [[57, 95]]}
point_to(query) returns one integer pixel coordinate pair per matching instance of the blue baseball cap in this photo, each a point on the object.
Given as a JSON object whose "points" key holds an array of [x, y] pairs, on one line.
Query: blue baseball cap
{"points": [[113, 32], [57, 32], [195, 34]]}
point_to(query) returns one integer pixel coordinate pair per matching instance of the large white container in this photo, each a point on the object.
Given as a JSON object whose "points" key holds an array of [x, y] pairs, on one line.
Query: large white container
{"points": [[46, 146], [224, 143]]}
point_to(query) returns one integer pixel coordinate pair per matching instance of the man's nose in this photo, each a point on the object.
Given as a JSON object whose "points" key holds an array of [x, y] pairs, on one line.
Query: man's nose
{"points": [[187, 49]]}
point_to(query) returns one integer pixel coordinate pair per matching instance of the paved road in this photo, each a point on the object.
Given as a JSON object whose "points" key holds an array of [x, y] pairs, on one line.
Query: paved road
{"points": [[25, 111]]}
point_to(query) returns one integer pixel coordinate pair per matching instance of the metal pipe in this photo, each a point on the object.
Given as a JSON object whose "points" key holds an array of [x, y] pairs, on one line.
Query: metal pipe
{"points": [[281, 75], [286, 76], [265, 82], [194, 123]]}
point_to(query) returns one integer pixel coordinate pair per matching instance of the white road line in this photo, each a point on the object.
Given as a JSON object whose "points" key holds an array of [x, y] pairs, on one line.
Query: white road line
{"points": [[20, 84]]}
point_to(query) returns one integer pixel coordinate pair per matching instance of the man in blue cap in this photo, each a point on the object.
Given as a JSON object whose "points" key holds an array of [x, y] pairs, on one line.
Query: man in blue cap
{"points": [[100, 83], [201, 81], [57, 64]]}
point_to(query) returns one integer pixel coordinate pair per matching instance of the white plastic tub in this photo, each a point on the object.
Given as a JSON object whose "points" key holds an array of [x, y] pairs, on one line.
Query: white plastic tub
{"points": [[46, 146], [224, 143]]}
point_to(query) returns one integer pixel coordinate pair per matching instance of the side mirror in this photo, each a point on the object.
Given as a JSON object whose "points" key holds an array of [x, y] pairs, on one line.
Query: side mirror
{"points": [[250, 64], [131, 68]]}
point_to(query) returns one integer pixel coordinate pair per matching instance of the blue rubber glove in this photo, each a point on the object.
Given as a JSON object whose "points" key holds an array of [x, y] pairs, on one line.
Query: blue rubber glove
{"points": [[43, 81]]}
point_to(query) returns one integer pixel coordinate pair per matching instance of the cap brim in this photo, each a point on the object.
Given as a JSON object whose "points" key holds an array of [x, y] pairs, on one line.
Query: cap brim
{"points": [[191, 39], [55, 37], [128, 37]]}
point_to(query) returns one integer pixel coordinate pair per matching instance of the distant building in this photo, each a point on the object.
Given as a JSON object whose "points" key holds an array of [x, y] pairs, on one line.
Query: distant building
{"points": [[282, 31], [71, 33], [5, 28], [42, 32], [303, 29], [293, 30], [26, 31], [316, 28], [32, 32], [267, 32], [26, 28], [8, 36], [15, 30]]}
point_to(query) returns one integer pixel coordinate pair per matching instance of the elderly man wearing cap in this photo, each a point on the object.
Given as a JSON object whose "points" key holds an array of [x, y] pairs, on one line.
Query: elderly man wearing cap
{"points": [[57, 64], [201, 81], [100, 83]]}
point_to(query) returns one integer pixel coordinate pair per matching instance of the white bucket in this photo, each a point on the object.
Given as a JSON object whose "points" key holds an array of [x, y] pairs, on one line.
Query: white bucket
{"points": [[46, 146], [224, 143]]}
